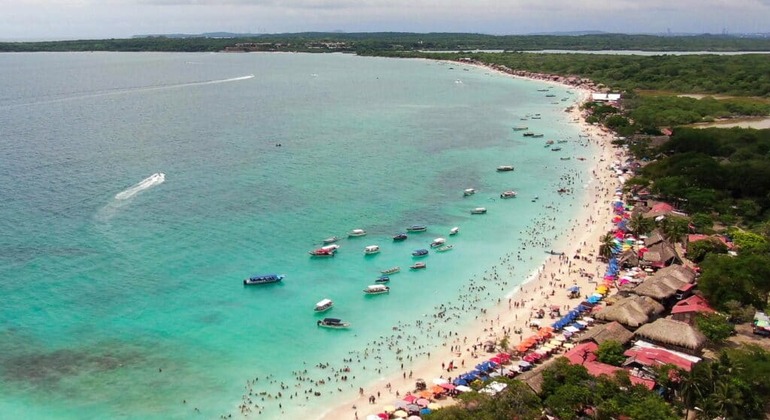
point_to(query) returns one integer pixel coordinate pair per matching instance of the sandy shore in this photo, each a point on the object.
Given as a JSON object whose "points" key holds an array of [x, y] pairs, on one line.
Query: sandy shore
{"points": [[545, 288]]}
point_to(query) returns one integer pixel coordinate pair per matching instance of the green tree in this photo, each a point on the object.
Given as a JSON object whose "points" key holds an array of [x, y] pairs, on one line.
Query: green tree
{"points": [[641, 225], [697, 251], [674, 228], [611, 352], [714, 326]]}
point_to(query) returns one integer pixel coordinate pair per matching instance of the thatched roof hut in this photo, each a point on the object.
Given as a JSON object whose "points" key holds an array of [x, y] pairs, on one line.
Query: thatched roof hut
{"points": [[632, 311], [533, 378], [678, 271], [654, 238], [612, 331], [628, 258], [659, 288], [674, 334]]}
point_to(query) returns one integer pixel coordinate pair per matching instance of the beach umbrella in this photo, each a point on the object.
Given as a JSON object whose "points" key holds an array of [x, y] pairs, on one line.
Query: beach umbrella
{"points": [[383, 416], [399, 404], [412, 407], [425, 394], [389, 408], [463, 388], [437, 390], [409, 398], [400, 414], [413, 418], [497, 360], [440, 381], [423, 402], [504, 356], [448, 387], [433, 406], [424, 411]]}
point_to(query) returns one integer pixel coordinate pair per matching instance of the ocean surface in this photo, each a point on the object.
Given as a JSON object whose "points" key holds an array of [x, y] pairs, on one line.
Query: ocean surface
{"points": [[122, 292]]}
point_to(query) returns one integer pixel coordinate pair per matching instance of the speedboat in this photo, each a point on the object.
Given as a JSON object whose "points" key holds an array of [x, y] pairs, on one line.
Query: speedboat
{"points": [[322, 253], [332, 247], [418, 266], [437, 242], [400, 237], [528, 134], [508, 194], [469, 191], [420, 252], [332, 323], [391, 270], [417, 228], [520, 128], [323, 305], [537, 136], [376, 289], [382, 279], [479, 210], [556, 149], [331, 240], [357, 232], [565, 158], [263, 279], [444, 248], [504, 168], [454, 231], [372, 249]]}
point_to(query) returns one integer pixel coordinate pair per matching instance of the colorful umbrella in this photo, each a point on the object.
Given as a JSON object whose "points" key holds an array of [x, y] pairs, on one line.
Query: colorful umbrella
{"points": [[434, 406], [400, 414], [423, 402]]}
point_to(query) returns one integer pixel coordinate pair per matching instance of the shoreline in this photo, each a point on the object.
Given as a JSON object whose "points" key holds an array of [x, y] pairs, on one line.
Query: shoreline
{"points": [[542, 287]]}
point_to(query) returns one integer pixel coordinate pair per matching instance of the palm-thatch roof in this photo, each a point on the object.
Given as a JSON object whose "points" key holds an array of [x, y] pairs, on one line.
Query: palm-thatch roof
{"points": [[612, 331], [669, 332], [632, 311], [659, 287], [654, 238], [681, 272], [533, 378], [661, 252], [628, 257]]}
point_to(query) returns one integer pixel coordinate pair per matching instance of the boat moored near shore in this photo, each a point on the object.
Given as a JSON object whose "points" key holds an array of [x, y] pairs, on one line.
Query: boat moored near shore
{"points": [[400, 237], [454, 231], [332, 323], [437, 242], [357, 232], [331, 240], [372, 249], [504, 168], [323, 305], [418, 266], [420, 252], [469, 191], [391, 270], [263, 279], [376, 289], [417, 228], [479, 210]]}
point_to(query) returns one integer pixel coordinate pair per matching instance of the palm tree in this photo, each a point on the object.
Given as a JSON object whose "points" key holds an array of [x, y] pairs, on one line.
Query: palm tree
{"points": [[674, 228], [641, 225], [607, 245]]}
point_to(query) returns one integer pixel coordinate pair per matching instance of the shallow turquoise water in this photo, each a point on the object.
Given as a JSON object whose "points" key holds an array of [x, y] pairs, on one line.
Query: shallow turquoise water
{"points": [[125, 307]]}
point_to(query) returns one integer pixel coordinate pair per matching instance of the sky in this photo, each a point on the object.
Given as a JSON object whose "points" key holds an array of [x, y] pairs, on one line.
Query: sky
{"points": [[90, 19]]}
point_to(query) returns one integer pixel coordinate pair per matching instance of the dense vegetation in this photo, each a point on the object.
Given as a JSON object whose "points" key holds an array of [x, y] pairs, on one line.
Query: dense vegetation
{"points": [[395, 41]]}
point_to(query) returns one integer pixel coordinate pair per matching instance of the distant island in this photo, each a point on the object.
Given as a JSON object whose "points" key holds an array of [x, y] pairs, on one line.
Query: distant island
{"points": [[399, 41]]}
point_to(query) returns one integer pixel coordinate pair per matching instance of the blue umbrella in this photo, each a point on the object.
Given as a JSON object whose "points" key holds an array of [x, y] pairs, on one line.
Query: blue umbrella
{"points": [[425, 411]]}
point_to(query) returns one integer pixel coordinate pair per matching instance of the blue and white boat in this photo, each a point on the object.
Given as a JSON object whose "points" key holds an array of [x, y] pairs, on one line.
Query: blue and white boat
{"points": [[400, 237], [263, 279], [382, 279], [420, 252]]}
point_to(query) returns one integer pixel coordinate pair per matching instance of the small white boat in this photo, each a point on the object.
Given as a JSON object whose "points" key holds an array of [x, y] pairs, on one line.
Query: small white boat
{"points": [[521, 128], [437, 242], [418, 266], [357, 232], [376, 289], [445, 248], [479, 210], [372, 249], [454, 231], [469, 191], [391, 270], [505, 168], [508, 194], [332, 247], [332, 323], [323, 305], [331, 240], [322, 253]]}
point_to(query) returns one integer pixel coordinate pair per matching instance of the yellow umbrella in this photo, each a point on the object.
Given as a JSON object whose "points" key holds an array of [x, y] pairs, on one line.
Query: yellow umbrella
{"points": [[400, 414], [389, 408], [434, 406]]}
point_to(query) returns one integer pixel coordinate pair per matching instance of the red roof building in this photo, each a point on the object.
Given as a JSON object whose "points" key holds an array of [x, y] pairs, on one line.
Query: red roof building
{"points": [[685, 310], [649, 357], [585, 354]]}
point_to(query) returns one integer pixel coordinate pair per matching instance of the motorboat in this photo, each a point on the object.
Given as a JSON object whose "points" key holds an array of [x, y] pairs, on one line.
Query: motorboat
{"points": [[556, 149], [417, 228], [437, 242], [376, 289], [528, 134], [479, 210], [420, 252], [400, 237], [331, 240], [537, 136], [549, 142], [331, 247], [454, 231], [391, 270], [444, 248], [508, 194], [563, 141], [469, 191], [505, 168], [382, 279], [323, 305], [322, 253], [263, 279], [520, 128], [565, 158], [418, 266], [372, 249], [357, 232], [332, 323]]}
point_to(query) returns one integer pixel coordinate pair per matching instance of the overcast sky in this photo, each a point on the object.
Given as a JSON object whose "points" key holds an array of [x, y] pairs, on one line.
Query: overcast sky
{"points": [[74, 19]]}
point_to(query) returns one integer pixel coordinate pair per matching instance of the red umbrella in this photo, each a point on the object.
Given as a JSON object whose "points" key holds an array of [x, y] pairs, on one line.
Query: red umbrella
{"points": [[497, 360], [504, 356], [383, 416], [409, 398], [447, 386]]}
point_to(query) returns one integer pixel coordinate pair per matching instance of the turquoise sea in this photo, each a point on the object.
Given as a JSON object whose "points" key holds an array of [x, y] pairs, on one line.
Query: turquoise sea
{"points": [[122, 295]]}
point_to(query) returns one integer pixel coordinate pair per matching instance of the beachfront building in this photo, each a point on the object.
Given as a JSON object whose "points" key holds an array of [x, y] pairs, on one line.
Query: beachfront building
{"points": [[605, 97], [686, 310], [658, 252], [644, 358], [672, 334], [612, 331], [632, 311], [585, 355]]}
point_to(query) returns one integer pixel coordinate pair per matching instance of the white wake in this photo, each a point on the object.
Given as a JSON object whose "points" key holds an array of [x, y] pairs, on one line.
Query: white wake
{"points": [[149, 182]]}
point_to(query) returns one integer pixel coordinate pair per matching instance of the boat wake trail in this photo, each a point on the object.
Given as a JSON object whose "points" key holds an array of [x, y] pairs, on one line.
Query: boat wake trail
{"points": [[149, 182]]}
